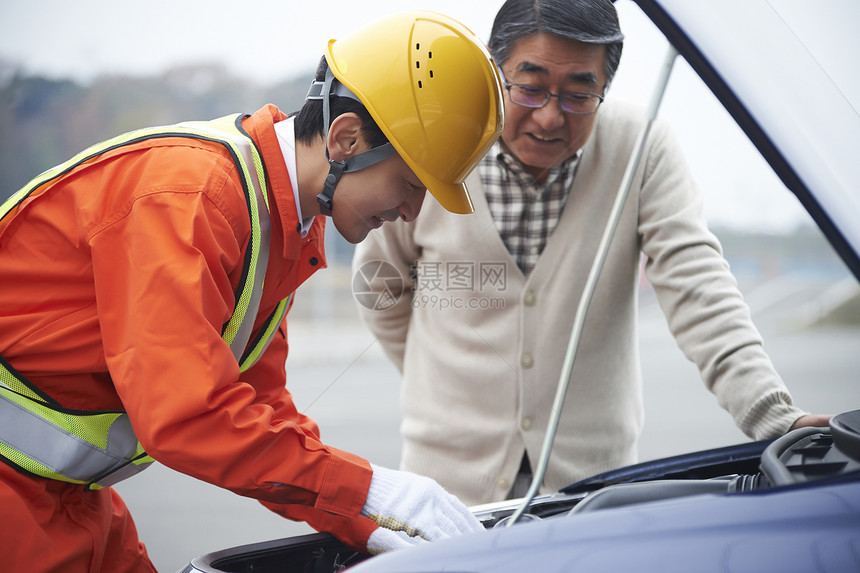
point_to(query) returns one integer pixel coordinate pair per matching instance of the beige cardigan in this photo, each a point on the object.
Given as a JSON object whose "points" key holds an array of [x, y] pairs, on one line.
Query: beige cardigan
{"points": [[480, 365]]}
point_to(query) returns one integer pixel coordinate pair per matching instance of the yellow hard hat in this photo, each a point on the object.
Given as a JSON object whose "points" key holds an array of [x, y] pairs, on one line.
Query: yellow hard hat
{"points": [[433, 89]]}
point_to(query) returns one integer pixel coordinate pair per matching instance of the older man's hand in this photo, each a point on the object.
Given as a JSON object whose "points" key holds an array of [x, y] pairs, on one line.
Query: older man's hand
{"points": [[812, 420]]}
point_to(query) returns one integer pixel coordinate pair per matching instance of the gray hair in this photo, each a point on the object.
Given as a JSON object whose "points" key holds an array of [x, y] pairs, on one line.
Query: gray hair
{"points": [[589, 21]]}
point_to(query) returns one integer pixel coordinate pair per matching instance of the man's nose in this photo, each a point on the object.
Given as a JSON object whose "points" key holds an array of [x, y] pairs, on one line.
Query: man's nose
{"points": [[550, 116]]}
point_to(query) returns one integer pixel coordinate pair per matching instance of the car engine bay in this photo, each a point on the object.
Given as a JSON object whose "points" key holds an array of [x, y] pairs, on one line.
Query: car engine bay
{"points": [[796, 459]]}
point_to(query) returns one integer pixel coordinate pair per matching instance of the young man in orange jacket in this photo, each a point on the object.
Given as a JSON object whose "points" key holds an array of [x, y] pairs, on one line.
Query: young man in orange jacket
{"points": [[145, 283]]}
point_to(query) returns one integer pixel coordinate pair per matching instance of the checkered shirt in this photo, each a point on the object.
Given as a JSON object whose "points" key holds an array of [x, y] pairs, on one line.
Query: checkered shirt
{"points": [[524, 211]]}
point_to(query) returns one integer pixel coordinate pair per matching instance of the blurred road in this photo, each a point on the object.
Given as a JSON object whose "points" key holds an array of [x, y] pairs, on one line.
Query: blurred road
{"points": [[352, 392]]}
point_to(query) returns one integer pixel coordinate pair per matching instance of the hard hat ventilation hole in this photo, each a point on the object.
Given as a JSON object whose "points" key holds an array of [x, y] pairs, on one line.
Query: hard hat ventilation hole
{"points": [[418, 64]]}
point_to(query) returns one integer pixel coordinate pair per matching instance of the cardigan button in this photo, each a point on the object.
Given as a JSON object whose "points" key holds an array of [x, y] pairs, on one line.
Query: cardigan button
{"points": [[502, 484], [529, 298], [313, 261], [526, 424], [527, 361]]}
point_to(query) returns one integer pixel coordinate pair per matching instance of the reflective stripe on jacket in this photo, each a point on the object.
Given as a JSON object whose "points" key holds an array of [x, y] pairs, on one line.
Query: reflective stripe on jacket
{"points": [[99, 448]]}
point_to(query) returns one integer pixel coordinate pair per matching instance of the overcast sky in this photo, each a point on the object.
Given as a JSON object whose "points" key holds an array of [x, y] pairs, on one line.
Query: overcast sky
{"points": [[268, 41], [265, 40]]}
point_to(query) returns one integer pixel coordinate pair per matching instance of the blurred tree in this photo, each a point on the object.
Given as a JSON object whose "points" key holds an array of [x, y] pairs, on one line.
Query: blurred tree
{"points": [[45, 121]]}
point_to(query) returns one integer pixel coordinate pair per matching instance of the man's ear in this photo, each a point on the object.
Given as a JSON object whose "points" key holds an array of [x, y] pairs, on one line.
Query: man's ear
{"points": [[344, 137]]}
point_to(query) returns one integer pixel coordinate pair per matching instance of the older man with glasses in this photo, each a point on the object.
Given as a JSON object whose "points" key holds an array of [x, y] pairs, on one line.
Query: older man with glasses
{"points": [[480, 328]]}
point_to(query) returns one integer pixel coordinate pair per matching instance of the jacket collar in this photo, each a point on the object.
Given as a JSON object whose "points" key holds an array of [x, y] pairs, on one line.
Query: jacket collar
{"points": [[286, 227]]}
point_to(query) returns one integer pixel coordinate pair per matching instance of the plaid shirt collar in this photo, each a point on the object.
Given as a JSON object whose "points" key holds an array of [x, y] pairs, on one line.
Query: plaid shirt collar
{"points": [[525, 212]]}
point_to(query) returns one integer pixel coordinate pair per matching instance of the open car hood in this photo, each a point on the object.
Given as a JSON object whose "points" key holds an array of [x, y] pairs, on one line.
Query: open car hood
{"points": [[782, 70]]}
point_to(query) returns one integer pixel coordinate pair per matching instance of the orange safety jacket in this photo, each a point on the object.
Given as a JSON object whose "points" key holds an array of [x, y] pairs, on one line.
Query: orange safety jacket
{"points": [[118, 278]]}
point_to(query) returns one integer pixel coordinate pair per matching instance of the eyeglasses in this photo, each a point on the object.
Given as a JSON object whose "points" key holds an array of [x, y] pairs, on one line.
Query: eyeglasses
{"points": [[571, 102]]}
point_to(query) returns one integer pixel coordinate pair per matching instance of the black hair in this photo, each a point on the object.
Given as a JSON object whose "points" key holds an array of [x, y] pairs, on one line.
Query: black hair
{"points": [[309, 119], [589, 21]]}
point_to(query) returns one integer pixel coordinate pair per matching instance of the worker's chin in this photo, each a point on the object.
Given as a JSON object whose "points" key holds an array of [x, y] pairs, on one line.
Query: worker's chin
{"points": [[354, 232]]}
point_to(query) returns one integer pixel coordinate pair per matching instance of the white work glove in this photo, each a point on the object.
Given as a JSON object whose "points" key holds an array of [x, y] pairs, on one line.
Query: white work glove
{"points": [[412, 509]]}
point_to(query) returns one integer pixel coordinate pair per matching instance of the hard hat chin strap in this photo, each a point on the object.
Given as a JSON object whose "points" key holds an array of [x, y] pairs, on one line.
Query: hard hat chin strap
{"points": [[355, 163], [322, 91]]}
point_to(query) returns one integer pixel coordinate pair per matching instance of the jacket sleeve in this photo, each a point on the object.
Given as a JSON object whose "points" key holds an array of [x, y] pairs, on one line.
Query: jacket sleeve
{"points": [[351, 531], [700, 298], [162, 276], [391, 245]]}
